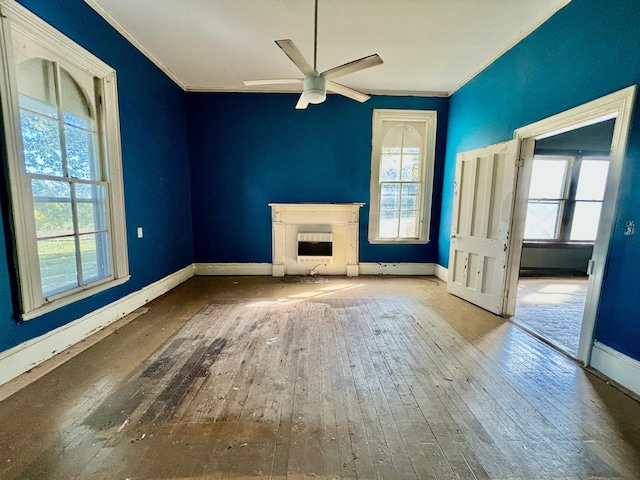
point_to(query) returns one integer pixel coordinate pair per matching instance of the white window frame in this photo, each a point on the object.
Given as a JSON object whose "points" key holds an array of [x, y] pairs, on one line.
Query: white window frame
{"points": [[15, 17], [429, 117]]}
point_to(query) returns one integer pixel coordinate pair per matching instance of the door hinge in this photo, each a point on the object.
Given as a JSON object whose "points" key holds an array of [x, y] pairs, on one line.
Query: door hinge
{"points": [[590, 266], [520, 162]]}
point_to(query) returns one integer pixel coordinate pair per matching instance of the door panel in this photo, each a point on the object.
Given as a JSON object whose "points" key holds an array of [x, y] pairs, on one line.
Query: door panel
{"points": [[482, 210]]}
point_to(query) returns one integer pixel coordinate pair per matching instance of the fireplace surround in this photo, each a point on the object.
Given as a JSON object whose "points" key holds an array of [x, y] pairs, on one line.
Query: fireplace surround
{"points": [[310, 228]]}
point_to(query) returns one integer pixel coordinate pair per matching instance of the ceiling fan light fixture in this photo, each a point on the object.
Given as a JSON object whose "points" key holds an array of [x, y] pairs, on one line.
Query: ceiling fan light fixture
{"points": [[315, 90]]}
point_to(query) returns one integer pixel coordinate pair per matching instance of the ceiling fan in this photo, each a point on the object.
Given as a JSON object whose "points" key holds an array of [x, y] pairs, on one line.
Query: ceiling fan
{"points": [[314, 84]]}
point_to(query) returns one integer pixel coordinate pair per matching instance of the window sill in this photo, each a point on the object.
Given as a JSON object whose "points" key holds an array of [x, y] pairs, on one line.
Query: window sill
{"points": [[401, 241], [74, 297]]}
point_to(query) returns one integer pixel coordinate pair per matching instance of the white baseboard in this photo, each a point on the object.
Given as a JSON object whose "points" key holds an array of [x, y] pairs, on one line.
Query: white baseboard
{"points": [[234, 269], [442, 273], [380, 268], [23, 357], [365, 268], [618, 367]]}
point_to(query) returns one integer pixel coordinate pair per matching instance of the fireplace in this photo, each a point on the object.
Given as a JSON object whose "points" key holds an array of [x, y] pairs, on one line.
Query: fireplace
{"points": [[315, 237]]}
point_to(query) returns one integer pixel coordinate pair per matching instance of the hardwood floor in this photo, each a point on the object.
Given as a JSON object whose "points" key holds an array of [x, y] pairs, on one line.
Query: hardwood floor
{"points": [[552, 308], [257, 377]]}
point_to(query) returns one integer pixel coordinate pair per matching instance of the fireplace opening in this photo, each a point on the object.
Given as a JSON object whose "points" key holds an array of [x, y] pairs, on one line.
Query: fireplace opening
{"points": [[315, 248]]}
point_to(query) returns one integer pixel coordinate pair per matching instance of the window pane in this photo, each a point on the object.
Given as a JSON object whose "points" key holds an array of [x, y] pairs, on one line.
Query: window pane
{"points": [[76, 107], [592, 180], [542, 221], [548, 178], [390, 189], [408, 224], [388, 224], [411, 168], [94, 252], [52, 208], [390, 168], [36, 86], [410, 189], [586, 217], [81, 154], [390, 202], [393, 140], [41, 144], [409, 202], [91, 207], [58, 269], [411, 141]]}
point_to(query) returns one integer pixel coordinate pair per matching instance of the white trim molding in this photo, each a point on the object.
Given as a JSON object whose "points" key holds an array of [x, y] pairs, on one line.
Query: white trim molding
{"points": [[618, 367], [442, 273], [382, 123], [618, 105], [23, 357], [365, 268], [560, 4], [24, 36], [402, 268], [134, 41], [233, 269]]}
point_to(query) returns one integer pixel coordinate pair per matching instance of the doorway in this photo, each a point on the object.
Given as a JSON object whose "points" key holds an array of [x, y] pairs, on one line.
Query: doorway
{"points": [[566, 192], [611, 113]]}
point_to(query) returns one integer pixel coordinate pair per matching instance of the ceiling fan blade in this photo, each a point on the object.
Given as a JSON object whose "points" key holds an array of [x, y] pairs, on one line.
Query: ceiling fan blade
{"points": [[277, 81], [351, 67], [347, 92], [302, 103], [289, 48]]}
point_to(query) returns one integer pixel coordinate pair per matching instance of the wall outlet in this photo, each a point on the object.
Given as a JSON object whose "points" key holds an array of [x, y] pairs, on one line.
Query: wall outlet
{"points": [[630, 228], [139, 232]]}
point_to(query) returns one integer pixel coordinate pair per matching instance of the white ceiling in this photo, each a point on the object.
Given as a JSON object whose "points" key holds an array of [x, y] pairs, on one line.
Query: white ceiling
{"points": [[428, 46]]}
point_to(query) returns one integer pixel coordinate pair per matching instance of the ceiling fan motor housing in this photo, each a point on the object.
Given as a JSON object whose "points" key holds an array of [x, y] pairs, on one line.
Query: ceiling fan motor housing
{"points": [[314, 89]]}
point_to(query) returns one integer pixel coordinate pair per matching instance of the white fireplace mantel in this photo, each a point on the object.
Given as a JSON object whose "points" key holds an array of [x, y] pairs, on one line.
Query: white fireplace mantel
{"points": [[341, 219]]}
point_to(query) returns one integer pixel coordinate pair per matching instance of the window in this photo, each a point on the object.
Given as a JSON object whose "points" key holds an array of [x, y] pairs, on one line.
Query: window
{"points": [[565, 198], [63, 151], [403, 151]]}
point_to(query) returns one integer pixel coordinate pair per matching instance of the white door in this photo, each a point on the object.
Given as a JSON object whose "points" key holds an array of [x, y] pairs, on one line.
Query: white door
{"points": [[482, 211]]}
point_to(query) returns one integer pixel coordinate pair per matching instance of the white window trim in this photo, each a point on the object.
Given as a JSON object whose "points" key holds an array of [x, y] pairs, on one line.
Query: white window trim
{"points": [[384, 115], [15, 16]]}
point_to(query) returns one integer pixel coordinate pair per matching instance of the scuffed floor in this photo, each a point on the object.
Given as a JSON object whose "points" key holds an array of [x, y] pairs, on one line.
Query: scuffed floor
{"points": [[552, 308], [338, 378]]}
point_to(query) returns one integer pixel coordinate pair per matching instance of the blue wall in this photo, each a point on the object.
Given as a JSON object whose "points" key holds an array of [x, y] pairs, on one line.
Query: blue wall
{"points": [[588, 49], [248, 150], [153, 125]]}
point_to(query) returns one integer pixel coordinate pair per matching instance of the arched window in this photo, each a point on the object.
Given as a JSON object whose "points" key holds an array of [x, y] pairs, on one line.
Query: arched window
{"points": [[401, 176], [62, 133]]}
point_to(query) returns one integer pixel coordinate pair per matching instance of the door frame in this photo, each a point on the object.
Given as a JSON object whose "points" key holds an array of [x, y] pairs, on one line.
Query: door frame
{"points": [[618, 105]]}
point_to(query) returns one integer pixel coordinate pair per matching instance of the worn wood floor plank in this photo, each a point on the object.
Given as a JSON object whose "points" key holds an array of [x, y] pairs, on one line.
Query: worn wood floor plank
{"points": [[358, 378]]}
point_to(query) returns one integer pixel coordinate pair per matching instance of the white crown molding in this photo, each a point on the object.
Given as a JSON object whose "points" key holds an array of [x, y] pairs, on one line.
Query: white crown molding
{"points": [[525, 33], [23, 357], [126, 34], [389, 93], [401, 93]]}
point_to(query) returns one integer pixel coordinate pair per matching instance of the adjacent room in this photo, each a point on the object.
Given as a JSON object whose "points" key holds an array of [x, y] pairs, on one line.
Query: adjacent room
{"points": [[319, 239]]}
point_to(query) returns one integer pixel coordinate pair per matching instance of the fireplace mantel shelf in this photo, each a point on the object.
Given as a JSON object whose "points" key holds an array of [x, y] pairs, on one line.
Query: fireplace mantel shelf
{"points": [[313, 213]]}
